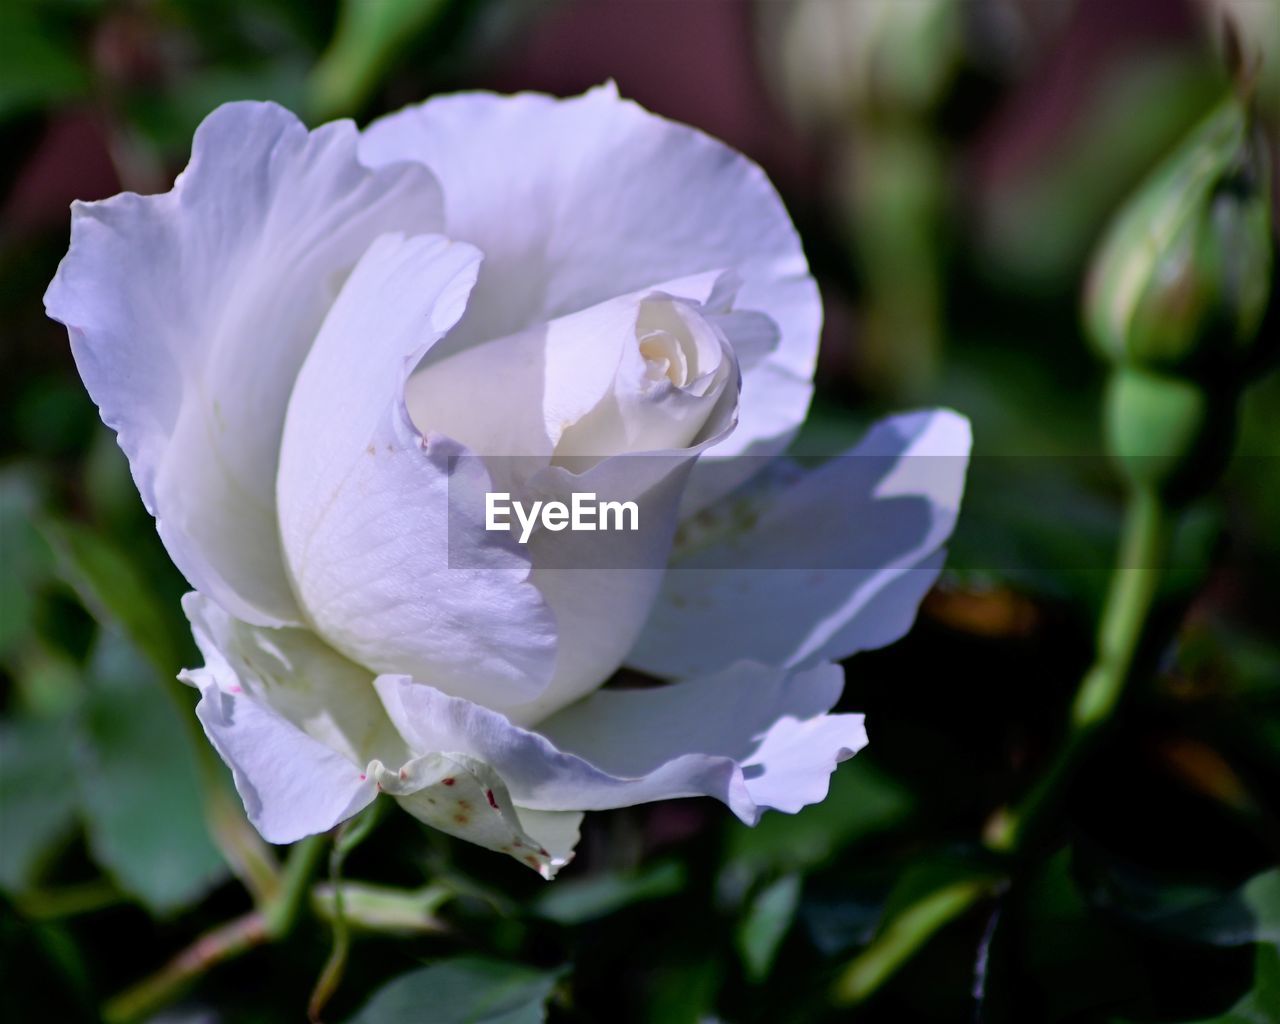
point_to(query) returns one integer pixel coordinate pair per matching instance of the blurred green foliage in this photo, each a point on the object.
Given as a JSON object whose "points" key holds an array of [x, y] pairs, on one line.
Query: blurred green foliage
{"points": [[1154, 894], [466, 991]]}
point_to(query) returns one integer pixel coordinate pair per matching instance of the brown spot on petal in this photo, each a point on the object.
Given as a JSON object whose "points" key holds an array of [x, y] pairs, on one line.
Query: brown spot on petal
{"points": [[532, 861], [462, 819], [403, 774], [371, 450], [464, 805], [449, 781]]}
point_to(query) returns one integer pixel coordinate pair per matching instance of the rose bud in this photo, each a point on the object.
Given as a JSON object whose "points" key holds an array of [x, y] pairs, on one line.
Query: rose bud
{"points": [[1183, 274]]}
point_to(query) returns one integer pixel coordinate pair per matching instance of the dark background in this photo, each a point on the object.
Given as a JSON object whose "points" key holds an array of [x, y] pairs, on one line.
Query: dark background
{"points": [[950, 184]]}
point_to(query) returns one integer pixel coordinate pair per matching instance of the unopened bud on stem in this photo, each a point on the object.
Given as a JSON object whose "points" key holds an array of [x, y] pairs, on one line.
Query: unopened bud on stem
{"points": [[1182, 279]]}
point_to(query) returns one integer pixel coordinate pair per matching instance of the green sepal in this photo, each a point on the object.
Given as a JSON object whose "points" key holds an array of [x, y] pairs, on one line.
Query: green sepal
{"points": [[1168, 433]]}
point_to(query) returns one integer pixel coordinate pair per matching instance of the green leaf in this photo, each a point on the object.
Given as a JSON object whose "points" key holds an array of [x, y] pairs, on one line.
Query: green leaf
{"points": [[1066, 948], [47, 679], [37, 805], [766, 925], [139, 785], [37, 67], [366, 42], [1214, 917], [24, 558], [586, 899], [463, 990], [115, 592], [862, 801], [683, 992], [1261, 1005]]}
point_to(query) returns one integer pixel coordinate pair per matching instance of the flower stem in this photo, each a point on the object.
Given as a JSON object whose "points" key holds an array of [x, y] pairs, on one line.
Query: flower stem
{"points": [[281, 914], [225, 942], [350, 835], [1131, 594], [269, 923], [1134, 583]]}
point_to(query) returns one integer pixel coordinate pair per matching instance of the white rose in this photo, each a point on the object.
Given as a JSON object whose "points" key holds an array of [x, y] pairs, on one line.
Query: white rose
{"points": [[301, 344]]}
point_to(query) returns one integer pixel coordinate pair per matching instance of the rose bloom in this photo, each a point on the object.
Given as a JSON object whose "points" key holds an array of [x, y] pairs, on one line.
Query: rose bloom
{"points": [[316, 335]]}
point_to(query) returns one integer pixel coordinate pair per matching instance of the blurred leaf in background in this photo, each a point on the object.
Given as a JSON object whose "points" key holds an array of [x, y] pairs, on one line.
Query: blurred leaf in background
{"points": [[38, 812], [465, 990], [40, 63], [143, 812], [367, 38]]}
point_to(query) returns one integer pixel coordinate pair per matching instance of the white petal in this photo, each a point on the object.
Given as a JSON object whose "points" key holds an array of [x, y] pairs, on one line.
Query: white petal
{"points": [[527, 395], [291, 785], [577, 201], [190, 313], [751, 736], [467, 799], [557, 832], [296, 722], [364, 497], [602, 585], [835, 562], [599, 585]]}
